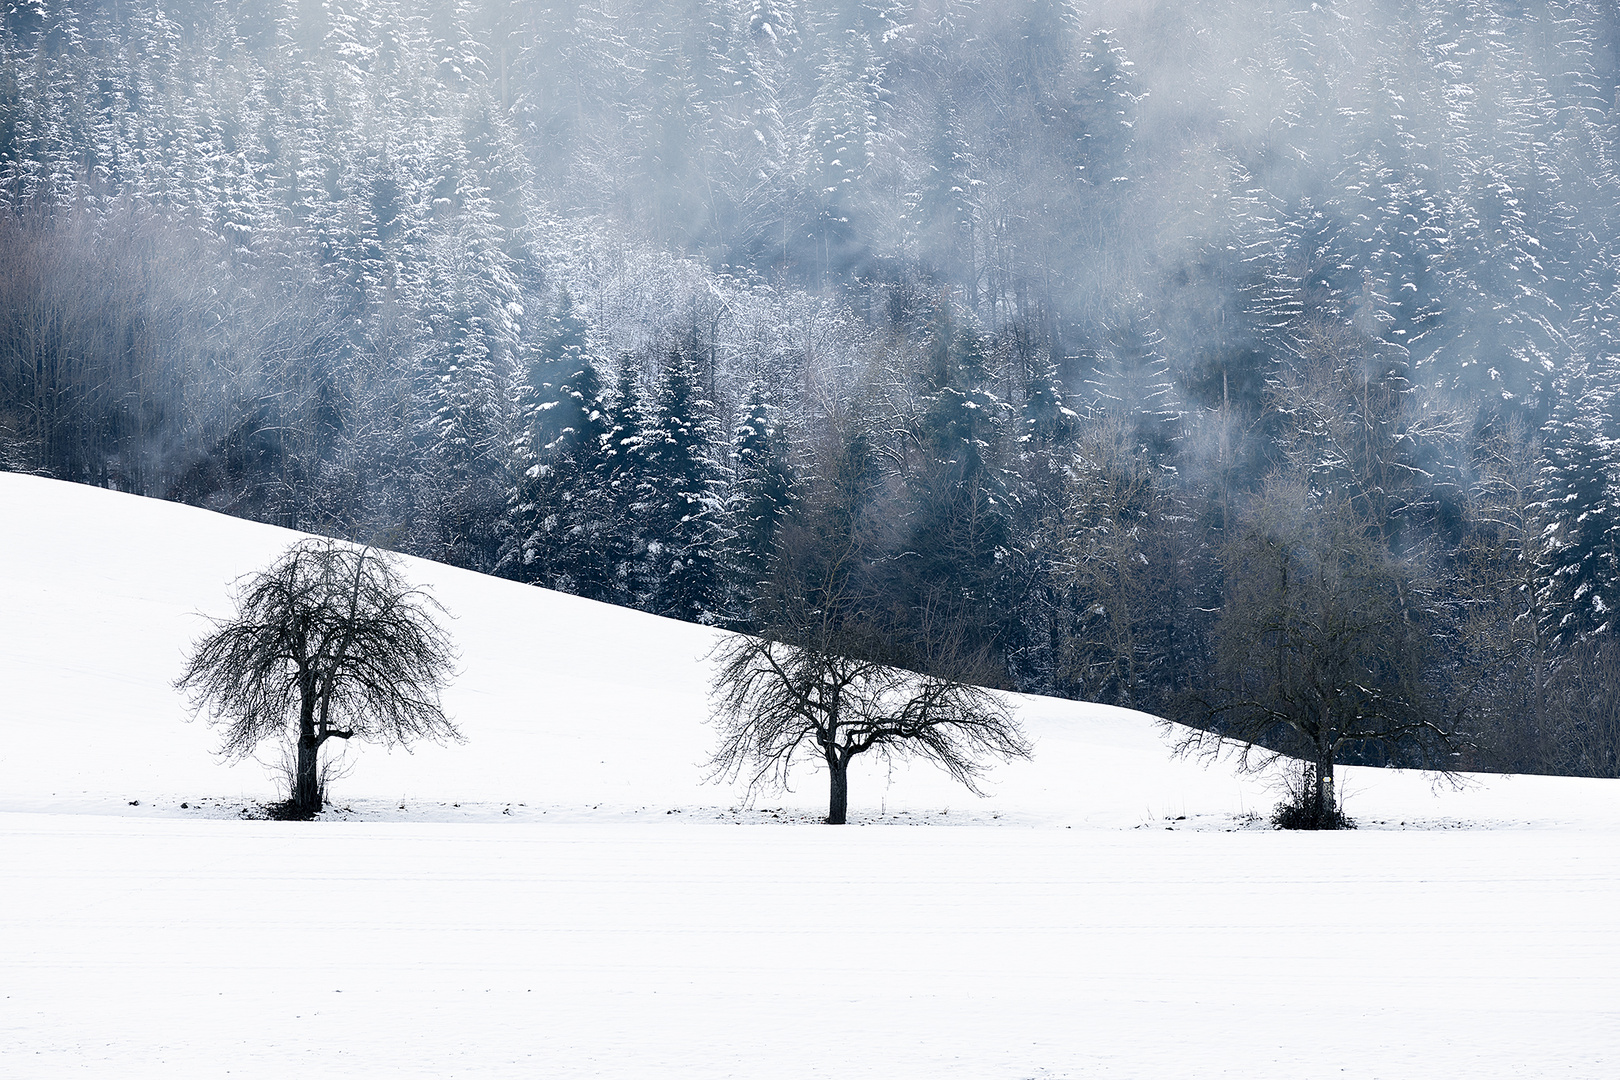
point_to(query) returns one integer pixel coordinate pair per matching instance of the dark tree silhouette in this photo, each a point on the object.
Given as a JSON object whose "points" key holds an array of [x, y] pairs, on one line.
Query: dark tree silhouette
{"points": [[776, 703], [329, 642]]}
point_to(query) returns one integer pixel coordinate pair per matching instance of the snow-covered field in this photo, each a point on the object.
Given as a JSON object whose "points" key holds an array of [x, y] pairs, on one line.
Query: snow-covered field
{"points": [[562, 895]]}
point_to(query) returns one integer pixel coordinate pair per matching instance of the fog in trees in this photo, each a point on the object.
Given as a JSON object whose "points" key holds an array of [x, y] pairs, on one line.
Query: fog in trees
{"points": [[1004, 314]]}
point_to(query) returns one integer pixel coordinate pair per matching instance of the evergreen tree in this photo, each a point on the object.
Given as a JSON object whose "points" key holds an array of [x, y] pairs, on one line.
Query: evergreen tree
{"points": [[1039, 510], [1580, 562], [470, 327], [836, 145], [559, 415], [678, 500], [944, 205], [1106, 98], [673, 131], [616, 574], [753, 165], [952, 561], [555, 513], [1131, 379], [761, 498]]}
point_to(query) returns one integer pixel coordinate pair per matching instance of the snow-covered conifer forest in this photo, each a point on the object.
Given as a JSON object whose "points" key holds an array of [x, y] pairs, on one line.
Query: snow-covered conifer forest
{"points": [[1082, 345]]}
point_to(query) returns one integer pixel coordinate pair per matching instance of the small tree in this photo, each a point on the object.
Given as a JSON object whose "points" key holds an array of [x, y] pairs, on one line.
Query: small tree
{"points": [[776, 703], [330, 642]]}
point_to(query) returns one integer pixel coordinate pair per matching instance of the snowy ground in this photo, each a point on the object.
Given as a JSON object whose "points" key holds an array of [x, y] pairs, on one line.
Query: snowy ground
{"points": [[563, 896]]}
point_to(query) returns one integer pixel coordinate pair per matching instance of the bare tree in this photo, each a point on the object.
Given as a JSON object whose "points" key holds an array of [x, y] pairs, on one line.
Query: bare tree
{"points": [[776, 703], [822, 682], [330, 642], [1317, 656]]}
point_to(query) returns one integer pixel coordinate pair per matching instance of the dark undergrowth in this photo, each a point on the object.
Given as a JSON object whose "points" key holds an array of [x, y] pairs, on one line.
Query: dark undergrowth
{"points": [[1299, 808], [285, 810]]}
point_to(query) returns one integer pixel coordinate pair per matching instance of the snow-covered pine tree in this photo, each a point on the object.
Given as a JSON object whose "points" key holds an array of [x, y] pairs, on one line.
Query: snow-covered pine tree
{"points": [[1580, 507], [943, 206], [1497, 270], [470, 325], [678, 500], [555, 512], [761, 498], [612, 569], [1106, 99], [671, 124], [1039, 506], [835, 148], [951, 568], [1131, 379], [752, 180]]}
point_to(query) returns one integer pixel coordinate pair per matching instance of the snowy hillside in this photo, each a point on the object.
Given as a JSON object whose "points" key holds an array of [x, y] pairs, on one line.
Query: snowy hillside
{"points": [[582, 915], [569, 708]]}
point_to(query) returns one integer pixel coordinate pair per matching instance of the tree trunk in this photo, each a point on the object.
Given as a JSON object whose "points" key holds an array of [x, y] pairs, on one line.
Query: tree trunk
{"points": [[307, 784], [1539, 709], [1325, 807], [838, 798], [306, 795]]}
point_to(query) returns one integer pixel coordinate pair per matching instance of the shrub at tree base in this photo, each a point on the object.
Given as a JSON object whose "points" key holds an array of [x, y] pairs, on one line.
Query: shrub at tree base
{"points": [[1301, 809], [285, 810]]}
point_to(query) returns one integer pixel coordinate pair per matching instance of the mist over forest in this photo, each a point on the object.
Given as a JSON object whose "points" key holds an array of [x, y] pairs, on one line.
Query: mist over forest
{"points": [[1080, 348]]}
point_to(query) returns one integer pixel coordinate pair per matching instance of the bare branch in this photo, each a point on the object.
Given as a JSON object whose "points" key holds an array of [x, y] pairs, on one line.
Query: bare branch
{"points": [[329, 642], [776, 702]]}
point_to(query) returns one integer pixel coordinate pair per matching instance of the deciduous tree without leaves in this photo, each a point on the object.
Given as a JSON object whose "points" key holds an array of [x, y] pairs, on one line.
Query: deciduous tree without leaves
{"points": [[776, 703], [329, 642], [1318, 651]]}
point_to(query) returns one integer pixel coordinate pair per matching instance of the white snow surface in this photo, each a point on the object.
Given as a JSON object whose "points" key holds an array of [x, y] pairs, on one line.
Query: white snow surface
{"points": [[564, 895]]}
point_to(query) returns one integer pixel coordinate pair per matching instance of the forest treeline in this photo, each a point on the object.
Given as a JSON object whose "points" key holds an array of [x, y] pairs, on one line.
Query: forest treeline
{"points": [[1092, 349]]}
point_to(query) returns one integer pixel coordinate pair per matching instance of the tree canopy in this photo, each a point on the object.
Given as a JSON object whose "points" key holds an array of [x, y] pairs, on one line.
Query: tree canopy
{"points": [[329, 642], [776, 704]]}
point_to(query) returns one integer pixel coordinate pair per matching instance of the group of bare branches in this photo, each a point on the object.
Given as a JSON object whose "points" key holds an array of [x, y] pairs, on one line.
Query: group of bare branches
{"points": [[329, 642], [777, 703]]}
